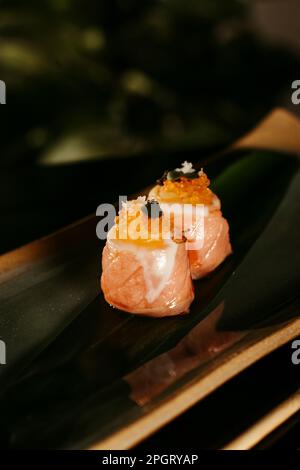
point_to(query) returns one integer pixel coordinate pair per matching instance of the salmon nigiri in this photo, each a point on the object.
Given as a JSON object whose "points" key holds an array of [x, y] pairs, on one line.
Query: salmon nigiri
{"points": [[145, 271], [186, 190]]}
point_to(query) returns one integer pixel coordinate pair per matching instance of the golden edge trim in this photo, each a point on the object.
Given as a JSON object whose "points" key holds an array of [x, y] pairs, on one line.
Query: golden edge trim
{"points": [[267, 424]]}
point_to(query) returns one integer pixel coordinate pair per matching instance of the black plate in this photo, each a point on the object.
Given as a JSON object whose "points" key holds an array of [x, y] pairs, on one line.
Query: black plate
{"points": [[81, 374]]}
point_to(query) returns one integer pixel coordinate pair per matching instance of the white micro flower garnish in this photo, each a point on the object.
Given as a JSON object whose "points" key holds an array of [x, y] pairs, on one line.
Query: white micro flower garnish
{"points": [[132, 207], [186, 167]]}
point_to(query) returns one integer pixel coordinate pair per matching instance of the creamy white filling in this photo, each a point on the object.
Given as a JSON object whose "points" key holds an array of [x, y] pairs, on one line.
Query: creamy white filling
{"points": [[157, 264]]}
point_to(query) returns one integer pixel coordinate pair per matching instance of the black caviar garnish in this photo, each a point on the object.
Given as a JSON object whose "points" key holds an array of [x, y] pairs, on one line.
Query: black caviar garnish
{"points": [[161, 180], [175, 175], [191, 176], [152, 209]]}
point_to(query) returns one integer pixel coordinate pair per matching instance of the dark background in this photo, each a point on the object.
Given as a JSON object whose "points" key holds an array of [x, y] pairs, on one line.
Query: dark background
{"points": [[103, 95]]}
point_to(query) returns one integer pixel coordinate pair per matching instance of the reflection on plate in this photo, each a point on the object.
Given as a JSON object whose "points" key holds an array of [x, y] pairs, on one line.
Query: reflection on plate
{"points": [[80, 374]]}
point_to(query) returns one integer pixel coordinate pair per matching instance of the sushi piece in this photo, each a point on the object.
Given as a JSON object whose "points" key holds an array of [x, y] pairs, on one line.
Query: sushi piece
{"points": [[144, 271], [185, 191], [215, 249]]}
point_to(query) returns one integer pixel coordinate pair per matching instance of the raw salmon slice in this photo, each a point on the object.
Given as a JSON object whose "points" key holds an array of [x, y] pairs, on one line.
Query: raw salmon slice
{"points": [[147, 281], [216, 246]]}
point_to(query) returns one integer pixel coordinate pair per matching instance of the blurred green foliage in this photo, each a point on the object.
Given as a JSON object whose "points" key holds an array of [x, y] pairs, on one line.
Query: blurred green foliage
{"points": [[117, 77]]}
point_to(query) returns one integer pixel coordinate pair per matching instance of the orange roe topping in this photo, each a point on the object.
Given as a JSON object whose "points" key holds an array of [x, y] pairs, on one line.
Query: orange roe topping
{"points": [[145, 232], [185, 190]]}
